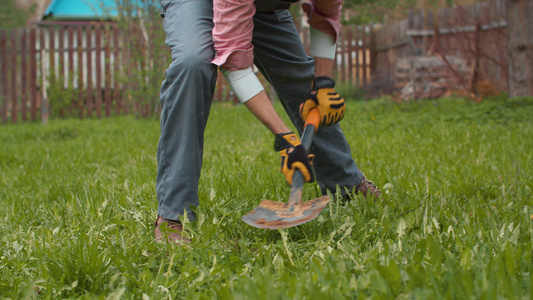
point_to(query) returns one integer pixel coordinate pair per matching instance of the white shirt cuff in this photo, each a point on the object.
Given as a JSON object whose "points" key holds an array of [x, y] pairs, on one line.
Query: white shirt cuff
{"points": [[322, 44], [244, 83]]}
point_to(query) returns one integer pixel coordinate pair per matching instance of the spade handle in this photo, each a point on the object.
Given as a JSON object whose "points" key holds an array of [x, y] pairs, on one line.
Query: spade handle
{"points": [[310, 127]]}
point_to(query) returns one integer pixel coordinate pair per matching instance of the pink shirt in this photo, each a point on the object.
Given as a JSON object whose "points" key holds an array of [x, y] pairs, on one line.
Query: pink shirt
{"points": [[233, 27]]}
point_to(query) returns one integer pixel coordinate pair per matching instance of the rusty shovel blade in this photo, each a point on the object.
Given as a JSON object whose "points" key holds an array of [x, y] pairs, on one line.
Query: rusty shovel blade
{"points": [[275, 215]]}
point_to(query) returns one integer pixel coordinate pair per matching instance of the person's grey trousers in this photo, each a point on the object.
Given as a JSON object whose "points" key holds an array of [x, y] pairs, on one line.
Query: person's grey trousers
{"points": [[187, 92]]}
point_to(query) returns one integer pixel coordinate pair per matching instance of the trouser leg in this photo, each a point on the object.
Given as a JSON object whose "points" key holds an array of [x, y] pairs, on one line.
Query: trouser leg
{"points": [[281, 58], [186, 96]]}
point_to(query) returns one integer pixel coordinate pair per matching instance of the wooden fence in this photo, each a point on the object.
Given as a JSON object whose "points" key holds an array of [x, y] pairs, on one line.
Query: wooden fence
{"points": [[354, 61], [93, 69], [476, 33], [86, 68], [78, 62]]}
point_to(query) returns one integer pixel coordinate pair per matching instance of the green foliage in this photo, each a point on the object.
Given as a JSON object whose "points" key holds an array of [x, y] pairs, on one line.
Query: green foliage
{"points": [[61, 97], [383, 11], [369, 11], [147, 55], [454, 222], [11, 16], [350, 91]]}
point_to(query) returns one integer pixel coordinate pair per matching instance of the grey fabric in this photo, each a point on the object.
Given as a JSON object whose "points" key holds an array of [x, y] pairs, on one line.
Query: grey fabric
{"points": [[188, 88], [269, 5], [186, 97], [281, 58]]}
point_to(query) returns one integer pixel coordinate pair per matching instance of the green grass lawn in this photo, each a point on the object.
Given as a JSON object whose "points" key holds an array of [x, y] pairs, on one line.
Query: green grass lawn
{"points": [[455, 221]]}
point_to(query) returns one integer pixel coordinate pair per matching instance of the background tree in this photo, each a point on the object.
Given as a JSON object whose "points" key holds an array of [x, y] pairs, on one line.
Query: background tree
{"points": [[390, 11], [11, 16], [520, 47]]}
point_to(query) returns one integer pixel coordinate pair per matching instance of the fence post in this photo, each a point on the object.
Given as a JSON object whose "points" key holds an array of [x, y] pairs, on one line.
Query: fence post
{"points": [[23, 74], [364, 38], [350, 54], [13, 46], [89, 101], [61, 65], [3, 75], [107, 67], [44, 110], [70, 74], [343, 46], [358, 57], [98, 69], [33, 74], [116, 95], [79, 37], [372, 45]]}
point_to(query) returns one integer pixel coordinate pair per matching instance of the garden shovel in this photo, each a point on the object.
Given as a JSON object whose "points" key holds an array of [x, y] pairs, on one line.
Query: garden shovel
{"points": [[274, 215]]}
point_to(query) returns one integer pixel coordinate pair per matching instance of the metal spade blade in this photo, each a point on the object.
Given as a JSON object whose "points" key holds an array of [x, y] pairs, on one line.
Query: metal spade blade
{"points": [[274, 215]]}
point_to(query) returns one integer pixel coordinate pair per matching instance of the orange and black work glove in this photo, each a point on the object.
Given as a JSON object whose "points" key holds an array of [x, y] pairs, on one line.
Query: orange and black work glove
{"points": [[293, 156], [329, 103]]}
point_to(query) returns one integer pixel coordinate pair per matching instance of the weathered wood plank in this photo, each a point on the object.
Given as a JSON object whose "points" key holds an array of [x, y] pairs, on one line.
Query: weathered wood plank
{"points": [[4, 91], [23, 75], [89, 102], [13, 74], [98, 70], [34, 95]]}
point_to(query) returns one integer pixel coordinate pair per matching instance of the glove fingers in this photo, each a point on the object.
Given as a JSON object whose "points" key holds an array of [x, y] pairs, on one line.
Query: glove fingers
{"points": [[303, 113], [288, 176], [307, 106], [333, 118], [331, 105], [306, 172], [296, 159], [282, 164], [337, 104]]}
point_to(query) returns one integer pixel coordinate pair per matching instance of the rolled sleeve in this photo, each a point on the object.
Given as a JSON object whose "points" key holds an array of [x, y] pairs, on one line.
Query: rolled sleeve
{"points": [[324, 15], [232, 33]]}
